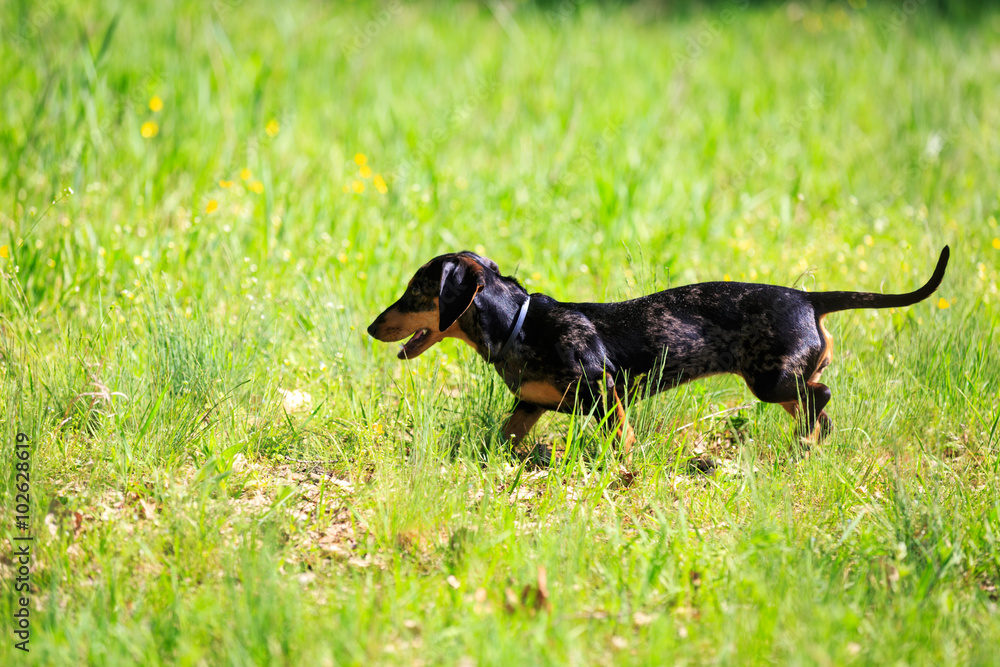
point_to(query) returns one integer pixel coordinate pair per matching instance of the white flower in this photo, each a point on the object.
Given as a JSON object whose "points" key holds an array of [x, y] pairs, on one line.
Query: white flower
{"points": [[295, 400]]}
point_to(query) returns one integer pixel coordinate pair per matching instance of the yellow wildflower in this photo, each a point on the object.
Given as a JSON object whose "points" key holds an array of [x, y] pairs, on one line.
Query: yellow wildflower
{"points": [[211, 206], [996, 243], [943, 303], [257, 187], [4, 251], [246, 174], [358, 186], [365, 171], [149, 129], [155, 103], [380, 184], [225, 184], [360, 159], [272, 128]]}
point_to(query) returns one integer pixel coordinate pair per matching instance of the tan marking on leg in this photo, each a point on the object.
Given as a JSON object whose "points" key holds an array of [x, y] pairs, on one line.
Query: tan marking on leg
{"points": [[623, 430], [823, 421], [827, 355], [825, 425], [519, 424], [793, 408]]}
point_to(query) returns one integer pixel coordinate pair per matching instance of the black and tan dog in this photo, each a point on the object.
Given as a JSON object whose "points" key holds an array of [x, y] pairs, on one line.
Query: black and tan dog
{"points": [[556, 356]]}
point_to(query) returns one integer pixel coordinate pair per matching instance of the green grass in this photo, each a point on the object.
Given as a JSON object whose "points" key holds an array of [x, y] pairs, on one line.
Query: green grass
{"points": [[149, 318]]}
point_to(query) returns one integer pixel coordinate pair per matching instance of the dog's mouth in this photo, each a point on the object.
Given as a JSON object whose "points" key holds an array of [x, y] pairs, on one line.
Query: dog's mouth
{"points": [[420, 341]]}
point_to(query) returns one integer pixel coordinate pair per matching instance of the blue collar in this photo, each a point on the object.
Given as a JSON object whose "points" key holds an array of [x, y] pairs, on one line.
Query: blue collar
{"points": [[517, 329]]}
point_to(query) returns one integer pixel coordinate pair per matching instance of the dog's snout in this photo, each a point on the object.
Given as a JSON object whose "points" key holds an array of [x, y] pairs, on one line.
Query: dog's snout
{"points": [[373, 328]]}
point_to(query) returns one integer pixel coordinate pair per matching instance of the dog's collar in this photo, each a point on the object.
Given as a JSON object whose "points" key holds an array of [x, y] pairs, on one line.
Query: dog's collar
{"points": [[517, 329]]}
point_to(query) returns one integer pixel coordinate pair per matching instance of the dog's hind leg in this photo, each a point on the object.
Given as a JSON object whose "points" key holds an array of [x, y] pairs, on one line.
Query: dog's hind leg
{"points": [[814, 394], [803, 399]]}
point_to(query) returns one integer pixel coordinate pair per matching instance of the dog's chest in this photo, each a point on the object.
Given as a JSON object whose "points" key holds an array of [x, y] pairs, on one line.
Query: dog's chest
{"points": [[534, 383]]}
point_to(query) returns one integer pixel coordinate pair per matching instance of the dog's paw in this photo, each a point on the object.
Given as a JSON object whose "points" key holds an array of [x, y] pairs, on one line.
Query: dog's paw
{"points": [[623, 479], [703, 465]]}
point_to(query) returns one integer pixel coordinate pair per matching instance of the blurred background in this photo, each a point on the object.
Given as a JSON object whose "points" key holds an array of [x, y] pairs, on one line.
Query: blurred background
{"points": [[204, 204], [283, 170]]}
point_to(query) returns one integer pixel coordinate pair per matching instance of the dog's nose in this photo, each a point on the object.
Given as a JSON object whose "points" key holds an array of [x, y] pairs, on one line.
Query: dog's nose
{"points": [[372, 329]]}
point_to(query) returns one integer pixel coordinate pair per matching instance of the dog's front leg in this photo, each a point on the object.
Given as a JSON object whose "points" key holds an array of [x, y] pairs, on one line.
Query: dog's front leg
{"points": [[520, 422]]}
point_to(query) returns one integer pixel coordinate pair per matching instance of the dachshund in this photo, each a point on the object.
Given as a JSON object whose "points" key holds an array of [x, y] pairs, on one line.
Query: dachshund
{"points": [[597, 356]]}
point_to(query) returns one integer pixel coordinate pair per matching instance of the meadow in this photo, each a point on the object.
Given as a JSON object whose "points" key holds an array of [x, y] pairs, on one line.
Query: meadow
{"points": [[203, 205]]}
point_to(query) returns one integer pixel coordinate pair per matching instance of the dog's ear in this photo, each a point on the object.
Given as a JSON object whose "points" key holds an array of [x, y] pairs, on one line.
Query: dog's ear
{"points": [[487, 262], [461, 280]]}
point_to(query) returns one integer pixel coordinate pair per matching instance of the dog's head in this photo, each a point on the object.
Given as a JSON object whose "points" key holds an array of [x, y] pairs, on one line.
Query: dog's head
{"points": [[438, 294]]}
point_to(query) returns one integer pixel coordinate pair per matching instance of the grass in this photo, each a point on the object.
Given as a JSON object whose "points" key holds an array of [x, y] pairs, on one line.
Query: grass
{"points": [[231, 244]]}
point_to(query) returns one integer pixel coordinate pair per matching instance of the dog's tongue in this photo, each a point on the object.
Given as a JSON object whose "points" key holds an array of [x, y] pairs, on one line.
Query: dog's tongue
{"points": [[412, 344]]}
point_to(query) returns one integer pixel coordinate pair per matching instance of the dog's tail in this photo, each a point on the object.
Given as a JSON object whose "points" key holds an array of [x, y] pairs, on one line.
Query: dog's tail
{"points": [[829, 302]]}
